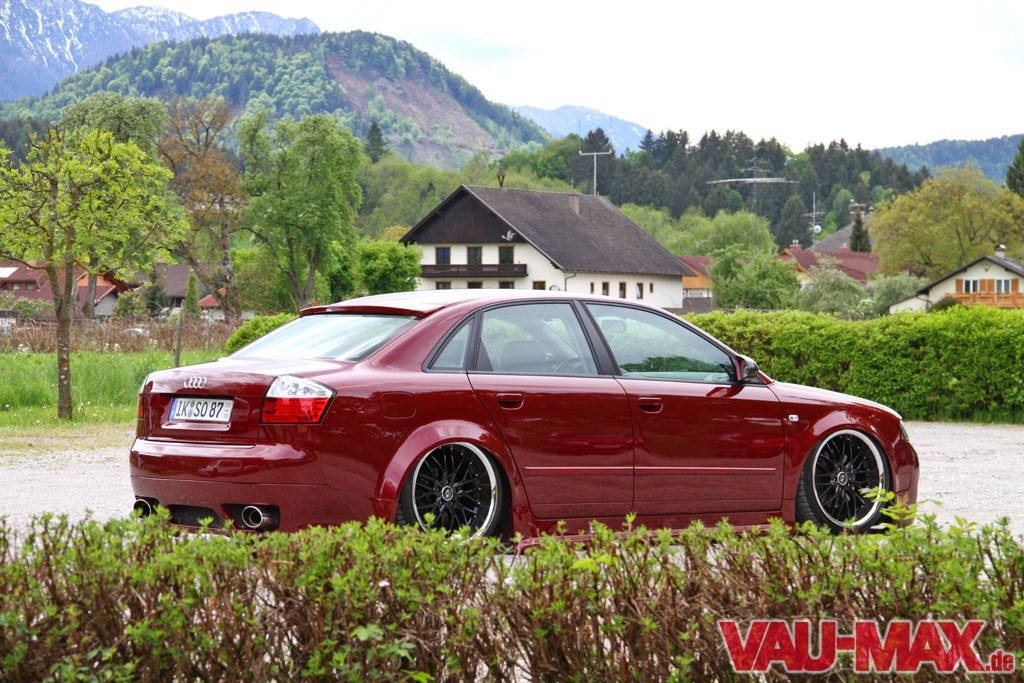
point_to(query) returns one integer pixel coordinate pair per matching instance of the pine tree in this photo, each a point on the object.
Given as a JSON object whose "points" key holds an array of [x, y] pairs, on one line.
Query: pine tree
{"points": [[1015, 173], [859, 240], [376, 148], [190, 307]]}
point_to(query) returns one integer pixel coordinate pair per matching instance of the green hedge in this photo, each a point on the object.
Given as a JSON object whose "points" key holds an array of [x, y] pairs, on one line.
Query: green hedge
{"points": [[254, 328], [962, 363], [134, 600]]}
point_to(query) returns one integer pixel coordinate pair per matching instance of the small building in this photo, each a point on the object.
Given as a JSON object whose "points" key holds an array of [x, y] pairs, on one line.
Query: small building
{"points": [[992, 280], [697, 296], [486, 237]]}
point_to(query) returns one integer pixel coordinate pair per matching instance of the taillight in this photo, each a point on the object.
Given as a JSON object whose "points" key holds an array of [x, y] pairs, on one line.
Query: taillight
{"points": [[295, 400], [140, 410]]}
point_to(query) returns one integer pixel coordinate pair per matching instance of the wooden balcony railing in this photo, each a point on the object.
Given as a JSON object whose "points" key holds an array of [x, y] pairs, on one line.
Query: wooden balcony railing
{"points": [[1011, 300]]}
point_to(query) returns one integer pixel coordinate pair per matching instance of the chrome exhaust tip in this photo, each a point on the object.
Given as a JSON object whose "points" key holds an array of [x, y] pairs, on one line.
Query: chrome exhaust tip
{"points": [[143, 507], [259, 517]]}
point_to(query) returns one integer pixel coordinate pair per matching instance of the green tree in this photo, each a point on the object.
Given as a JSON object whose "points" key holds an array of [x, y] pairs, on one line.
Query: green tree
{"points": [[793, 225], [190, 306], [744, 278], [831, 291], [82, 199], [743, 229], [885, 290], [301, 180], [376, 147], [387, 266], [859, 240], [949, 221], [130, 305], [128, 119], [1015, 172]]}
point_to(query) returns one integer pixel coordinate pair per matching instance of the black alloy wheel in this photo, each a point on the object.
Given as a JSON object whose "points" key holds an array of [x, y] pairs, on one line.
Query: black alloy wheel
{"points": [[455, 486], [832, 487]]}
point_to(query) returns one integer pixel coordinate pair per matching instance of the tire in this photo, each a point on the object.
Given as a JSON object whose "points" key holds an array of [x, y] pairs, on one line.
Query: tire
{"points": [[460, 485], [829, 493]]}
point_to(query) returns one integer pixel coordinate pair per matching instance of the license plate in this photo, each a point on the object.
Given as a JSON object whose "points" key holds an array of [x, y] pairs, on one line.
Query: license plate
{"points": [[201, 409]]}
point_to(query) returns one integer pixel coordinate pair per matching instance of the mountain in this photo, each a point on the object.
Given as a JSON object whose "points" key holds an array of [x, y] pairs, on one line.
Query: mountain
{"points": [[42, 41], [992, 156], [427, 114], [581, 120]]}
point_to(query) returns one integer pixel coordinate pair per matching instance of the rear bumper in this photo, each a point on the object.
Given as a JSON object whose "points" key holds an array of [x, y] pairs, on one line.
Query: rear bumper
{"points": [[197, 481]]}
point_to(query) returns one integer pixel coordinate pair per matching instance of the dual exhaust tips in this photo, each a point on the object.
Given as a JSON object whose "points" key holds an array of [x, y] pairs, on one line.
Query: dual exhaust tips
{"points": [[253, 517]]}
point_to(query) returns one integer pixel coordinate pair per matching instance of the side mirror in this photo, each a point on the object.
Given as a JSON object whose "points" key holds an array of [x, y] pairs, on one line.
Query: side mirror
{"points": [[746, 368]]}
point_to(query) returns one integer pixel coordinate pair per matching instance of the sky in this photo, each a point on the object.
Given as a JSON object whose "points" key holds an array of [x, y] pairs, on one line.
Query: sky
{"points": [[876, 73]]}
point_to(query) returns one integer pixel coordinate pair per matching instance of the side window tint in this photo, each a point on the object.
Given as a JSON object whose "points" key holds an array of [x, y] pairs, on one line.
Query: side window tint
{"points": [[650, 346], [536, 339], [453, 355]]}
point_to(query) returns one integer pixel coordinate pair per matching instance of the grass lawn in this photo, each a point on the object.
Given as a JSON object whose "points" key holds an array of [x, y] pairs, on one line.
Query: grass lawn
{"points": [[28, 440]]}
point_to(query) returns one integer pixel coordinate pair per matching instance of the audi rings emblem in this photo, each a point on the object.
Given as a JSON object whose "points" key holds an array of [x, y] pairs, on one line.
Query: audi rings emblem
{"points": [[195, 382]]}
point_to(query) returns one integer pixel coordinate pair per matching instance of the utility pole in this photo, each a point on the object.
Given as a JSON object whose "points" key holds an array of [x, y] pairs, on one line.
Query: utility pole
{"points": [[595, 155]]}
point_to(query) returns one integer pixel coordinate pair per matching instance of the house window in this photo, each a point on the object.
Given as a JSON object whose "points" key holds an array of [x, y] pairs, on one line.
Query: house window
{"points": [[651, 288], [639, 290], [622, 290], [443, 285], [474, 255], [506, 284], [540, 284], [442, 256], [1003, 286], [972, 286], [592, 288], [475, 285], [31, 286], [506, 255], [604, 288]]}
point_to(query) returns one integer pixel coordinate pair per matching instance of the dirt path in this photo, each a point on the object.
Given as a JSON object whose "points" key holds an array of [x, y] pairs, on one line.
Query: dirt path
{"points": [[969, 471]]}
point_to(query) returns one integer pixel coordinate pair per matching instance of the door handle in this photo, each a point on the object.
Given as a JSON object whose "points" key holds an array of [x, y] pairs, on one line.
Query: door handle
{"points": [[510, 401], [650, 404]]}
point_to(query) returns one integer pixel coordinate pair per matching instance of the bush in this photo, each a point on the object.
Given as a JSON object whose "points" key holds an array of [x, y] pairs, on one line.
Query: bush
{"points": [[254, 328], [961, 364], [135, 600]]}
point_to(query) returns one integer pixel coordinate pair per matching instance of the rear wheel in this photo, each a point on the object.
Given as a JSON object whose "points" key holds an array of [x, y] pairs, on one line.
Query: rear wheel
{"points": [[454, 486], [831, 491]]}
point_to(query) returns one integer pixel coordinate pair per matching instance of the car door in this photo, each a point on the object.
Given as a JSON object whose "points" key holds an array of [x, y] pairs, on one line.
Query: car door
{"points": [[704, 442], [568, 427]]}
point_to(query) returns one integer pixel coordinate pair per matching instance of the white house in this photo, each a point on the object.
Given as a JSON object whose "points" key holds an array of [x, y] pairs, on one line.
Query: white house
{"points": [[486, 237], [989, 280]]}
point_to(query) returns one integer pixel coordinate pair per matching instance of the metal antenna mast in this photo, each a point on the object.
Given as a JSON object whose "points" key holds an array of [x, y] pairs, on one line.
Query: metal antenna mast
{"points": [[595, 155]]}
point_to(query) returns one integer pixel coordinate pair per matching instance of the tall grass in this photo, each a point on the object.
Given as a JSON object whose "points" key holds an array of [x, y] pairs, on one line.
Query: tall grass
{"points": [[104, 386]]}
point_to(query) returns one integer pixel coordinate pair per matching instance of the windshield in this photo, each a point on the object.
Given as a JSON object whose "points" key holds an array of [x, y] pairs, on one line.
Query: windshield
{"points": [[338, 336]]}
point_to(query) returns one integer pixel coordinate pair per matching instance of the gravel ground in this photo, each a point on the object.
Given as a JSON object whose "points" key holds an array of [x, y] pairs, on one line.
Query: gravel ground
{"points": [[967, 471]]}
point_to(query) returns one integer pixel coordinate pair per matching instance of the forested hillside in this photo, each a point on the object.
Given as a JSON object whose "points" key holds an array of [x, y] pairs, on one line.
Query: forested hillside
{"points": [[992, 156], [427, 113], [673, 174]]}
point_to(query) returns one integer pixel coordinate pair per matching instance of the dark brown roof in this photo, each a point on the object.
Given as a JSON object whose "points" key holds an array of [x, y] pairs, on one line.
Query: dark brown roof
{"points": [[858, 265], [599, 238]]}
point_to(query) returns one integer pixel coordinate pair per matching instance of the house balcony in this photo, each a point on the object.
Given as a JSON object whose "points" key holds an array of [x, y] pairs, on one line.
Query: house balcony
{"points": [[502, 270], [1010, 300]]}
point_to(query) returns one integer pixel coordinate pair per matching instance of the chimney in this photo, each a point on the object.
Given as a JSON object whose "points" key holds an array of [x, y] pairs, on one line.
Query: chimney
{"points": [[1001, 251], [501, 177], [795, 246], [574, 202]]}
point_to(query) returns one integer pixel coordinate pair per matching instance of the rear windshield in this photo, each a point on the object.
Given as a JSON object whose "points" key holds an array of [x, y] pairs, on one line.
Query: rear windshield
{"points": [[338, 336]]}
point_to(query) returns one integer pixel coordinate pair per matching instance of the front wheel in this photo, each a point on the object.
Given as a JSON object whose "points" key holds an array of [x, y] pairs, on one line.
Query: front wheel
{"points": [[452, 487], [832, 486]]}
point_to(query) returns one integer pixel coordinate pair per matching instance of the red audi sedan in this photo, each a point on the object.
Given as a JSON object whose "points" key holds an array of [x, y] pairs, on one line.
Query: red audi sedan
{"points": [[506, 411]]}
